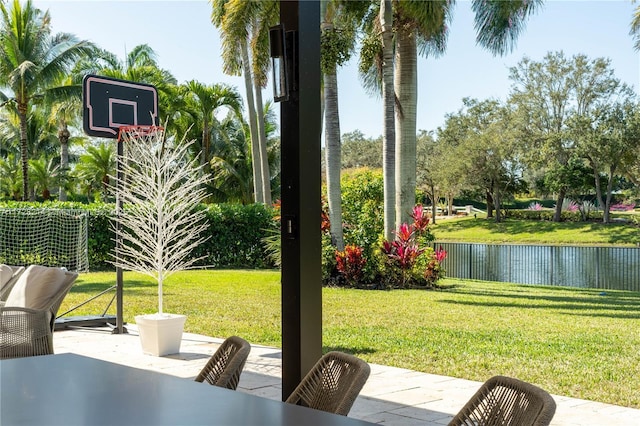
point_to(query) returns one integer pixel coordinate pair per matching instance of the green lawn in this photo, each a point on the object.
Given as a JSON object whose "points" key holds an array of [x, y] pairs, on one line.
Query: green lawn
{"points": [[579, 343], [533, 232]]}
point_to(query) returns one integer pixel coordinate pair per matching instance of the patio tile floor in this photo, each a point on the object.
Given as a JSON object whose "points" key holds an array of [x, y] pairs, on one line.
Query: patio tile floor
{"points": [[391, 396]]}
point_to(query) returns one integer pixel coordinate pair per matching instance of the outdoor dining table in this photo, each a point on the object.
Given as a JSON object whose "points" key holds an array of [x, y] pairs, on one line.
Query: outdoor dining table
{"points": [[70, 389]]}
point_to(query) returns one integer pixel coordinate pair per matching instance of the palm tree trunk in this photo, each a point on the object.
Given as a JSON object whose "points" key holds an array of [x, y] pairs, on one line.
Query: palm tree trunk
{"points": [[265, 176], [388, 132], [332, 157], [63, 137], [255, 144], [24, 155], [406, 84], [206, 145]]}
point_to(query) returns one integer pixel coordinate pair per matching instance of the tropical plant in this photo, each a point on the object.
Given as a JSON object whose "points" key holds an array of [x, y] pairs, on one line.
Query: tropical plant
{"points": [[635, 27], [207, 101], [231, 166], [408, 261], [95, 166], [350, 264], [32, 63], [244, 34], [44, 174], [10, 177]]}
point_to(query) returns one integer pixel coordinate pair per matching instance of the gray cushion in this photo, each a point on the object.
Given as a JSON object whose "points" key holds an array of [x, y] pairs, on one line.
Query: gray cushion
{"points": [[36, 288], [6, 272]]}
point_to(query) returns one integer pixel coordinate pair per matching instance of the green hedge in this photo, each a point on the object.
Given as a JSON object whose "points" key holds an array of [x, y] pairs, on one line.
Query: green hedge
{"points": [[235, 234]]}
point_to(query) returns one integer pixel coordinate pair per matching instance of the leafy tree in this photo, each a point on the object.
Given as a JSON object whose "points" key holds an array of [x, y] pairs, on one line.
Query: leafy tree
{"points": [[608, 141], [32, 62], [547, 94], [360, 151], [487, 150], [231, 166]]}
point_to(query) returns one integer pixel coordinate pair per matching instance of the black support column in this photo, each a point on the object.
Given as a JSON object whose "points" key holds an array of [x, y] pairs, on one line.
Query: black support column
{"points": [[301, 197]]}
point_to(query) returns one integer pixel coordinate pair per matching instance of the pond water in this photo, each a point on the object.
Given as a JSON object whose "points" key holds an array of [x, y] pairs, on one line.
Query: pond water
{"points": [[574, 266]]}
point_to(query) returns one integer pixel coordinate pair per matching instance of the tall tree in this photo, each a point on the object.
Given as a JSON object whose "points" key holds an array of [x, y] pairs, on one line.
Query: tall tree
{"points": [[547, 94], [32, 61], [244, 34], [337, 41], [423, 26], [608, 140], [388, 127]]}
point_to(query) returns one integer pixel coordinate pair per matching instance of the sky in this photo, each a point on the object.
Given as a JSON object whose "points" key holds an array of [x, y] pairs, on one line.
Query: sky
{"points": [[188, 45]]}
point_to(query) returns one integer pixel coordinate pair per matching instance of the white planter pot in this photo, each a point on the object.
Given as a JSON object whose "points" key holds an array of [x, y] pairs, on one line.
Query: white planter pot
{"points": [[160, 335]]}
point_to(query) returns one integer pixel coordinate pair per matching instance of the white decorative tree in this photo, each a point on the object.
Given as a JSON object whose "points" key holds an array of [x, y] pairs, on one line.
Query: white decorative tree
{"points": [[161, 223]]}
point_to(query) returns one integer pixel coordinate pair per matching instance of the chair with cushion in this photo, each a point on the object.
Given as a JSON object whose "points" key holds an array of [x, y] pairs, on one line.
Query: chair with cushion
{"points": [[333, 384], [225, 366], [507, 401], [28, 314]]}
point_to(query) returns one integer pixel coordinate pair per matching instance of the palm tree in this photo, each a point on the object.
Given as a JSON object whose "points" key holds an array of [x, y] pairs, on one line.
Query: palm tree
{"points": [[32, 61], [10, 178], [635, 27], [244, 25], [208, 100], [44, 174], [96, 165], [388, 104], [424, 25], [140, 65], [337, 41], [231, 166]]}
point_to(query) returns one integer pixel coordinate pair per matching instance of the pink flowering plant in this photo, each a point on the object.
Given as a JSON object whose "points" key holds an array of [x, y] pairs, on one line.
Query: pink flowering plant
{"points": [[407, 260]]}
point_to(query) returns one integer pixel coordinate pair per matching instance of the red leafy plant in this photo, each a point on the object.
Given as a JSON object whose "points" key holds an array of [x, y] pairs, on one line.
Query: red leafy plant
{"points": [[408, 261], [350, 264]]}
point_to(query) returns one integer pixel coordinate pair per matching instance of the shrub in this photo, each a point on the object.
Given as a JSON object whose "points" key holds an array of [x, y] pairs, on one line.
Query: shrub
{"points": [[622, 207], [362, 214], [408, 261], [350, 264], [236, 234]]}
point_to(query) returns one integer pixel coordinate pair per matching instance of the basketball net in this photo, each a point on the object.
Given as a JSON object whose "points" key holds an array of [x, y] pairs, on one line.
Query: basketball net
{"points": [[131, 133]]}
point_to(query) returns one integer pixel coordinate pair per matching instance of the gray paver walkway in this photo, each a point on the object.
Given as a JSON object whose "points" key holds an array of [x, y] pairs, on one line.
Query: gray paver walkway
{"points": [[392, 396]]}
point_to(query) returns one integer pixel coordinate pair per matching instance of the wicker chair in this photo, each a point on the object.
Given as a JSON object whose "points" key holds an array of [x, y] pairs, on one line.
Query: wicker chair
{"points": [[333, 384], [507, 401], [225, 366], [26, 326]]}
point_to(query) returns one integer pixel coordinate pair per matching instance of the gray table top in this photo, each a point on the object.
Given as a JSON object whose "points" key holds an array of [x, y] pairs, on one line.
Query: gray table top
{"points": [[69, 389]]}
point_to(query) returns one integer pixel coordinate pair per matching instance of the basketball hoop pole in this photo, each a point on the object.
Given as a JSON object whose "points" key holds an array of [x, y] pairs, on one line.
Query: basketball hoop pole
{"points": [[119, 329]]}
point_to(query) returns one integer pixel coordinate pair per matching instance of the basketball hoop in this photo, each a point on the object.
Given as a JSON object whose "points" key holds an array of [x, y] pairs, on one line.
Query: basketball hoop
{"points": [[130, 133]]}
